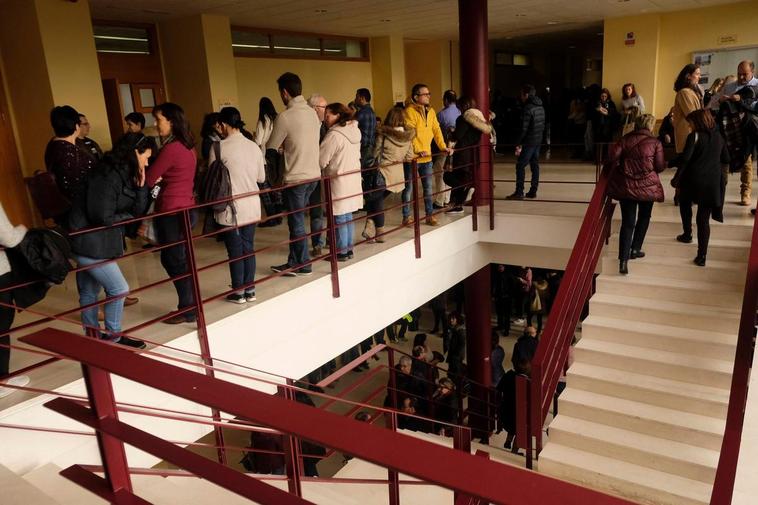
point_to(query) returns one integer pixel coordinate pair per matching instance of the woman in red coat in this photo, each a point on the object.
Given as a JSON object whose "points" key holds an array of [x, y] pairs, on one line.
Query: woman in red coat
{"points": [[636, 161]]}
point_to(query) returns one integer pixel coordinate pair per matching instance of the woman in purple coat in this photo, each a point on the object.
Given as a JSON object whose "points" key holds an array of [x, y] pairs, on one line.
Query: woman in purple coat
{"points": [[636, 161]]}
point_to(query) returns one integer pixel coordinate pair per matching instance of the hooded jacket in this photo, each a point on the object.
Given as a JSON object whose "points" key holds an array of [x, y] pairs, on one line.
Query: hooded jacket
{"points": [[393, 147], [639, 159], [340, 158], [468, 132], [424, 121], [532, 123]]}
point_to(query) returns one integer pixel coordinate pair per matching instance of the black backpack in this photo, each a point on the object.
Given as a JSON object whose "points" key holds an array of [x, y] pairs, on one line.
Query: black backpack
{"points": [[47, 253], [217, 184]]}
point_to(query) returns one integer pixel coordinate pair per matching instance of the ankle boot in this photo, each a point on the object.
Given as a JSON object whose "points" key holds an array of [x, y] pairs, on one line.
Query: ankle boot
{"points": [[369, 231], [623, 269], [699, 260], [378, 236]]}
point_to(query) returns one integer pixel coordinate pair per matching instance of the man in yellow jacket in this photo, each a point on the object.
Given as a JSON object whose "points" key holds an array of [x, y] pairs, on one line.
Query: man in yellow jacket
{"points": [[420, 116]]}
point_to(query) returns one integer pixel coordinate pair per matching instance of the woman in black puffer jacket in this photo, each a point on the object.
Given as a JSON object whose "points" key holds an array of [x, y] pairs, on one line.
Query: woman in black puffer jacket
{"points": [[116, 191], [469, 128]]}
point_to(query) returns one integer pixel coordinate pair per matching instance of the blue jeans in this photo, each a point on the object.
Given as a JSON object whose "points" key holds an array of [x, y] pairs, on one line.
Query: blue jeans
{"points": [[317, 216], [90, 283], [425, 171], [296, 198], [530, 155], [240, 242], [345, 232]]}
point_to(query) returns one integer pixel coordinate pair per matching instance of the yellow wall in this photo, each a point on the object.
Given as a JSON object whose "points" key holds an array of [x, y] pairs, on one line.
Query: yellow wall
{"points": [[73, 67], [656, 64], [186, 67], [388, 70], [220, 59], [335, 80], [28, 84], [435, 63]]}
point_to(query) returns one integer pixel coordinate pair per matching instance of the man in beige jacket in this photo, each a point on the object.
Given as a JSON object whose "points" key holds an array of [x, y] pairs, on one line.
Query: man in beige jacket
{"points": [[296, 131]]}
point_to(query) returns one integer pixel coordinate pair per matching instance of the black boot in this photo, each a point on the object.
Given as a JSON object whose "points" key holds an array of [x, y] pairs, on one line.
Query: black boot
{"points": [[699, 260], [637, 254], [684, 238], [623, 270]]}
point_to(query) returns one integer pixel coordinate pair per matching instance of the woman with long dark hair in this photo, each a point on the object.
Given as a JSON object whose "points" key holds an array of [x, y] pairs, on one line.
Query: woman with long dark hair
{"points": [[689, 98], [174, 171], [116, 191], [272, 201], [701, 180], [605, 118]]}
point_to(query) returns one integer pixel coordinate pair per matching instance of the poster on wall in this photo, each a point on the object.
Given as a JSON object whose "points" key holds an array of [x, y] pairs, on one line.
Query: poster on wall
{"points": [[704, 61]]}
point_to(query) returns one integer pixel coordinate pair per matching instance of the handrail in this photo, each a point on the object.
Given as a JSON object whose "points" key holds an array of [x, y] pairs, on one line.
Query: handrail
{"points": [[551, 356], [462, 472], [723, 486]]}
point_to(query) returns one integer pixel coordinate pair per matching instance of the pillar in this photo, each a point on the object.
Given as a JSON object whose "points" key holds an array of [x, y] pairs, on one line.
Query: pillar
{"points": [[49, 59], [478, 307], [388, 72], [475, 78], [198, 59]]}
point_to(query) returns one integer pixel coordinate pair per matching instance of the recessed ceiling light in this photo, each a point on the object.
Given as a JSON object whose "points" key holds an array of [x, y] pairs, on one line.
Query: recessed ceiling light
{"points": [[572, 47], [552, 22], [320, 11], [520, 15], [385, 20]]}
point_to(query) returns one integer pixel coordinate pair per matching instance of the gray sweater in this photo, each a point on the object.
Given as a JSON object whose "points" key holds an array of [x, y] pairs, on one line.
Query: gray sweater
{"points": [[297, 129]]}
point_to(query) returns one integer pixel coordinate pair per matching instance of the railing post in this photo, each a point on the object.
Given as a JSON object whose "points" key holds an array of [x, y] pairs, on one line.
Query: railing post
{"points": [[477, 194], [332, 231], [103, 405], [293, 461], [202, 328], [393, 378], [393, 478], [416, 213], [491, 172], [461, 442]]}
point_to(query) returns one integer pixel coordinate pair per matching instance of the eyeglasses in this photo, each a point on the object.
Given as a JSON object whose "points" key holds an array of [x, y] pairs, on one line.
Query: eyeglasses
{"points": [[424, 94]]}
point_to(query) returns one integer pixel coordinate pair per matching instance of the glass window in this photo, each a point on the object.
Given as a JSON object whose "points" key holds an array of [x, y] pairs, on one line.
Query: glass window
{"points": [[296, 45], [245, 42], [121, 39], [521, 60]]}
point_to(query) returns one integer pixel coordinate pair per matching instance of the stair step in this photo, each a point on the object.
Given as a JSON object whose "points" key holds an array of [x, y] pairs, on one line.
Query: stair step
{"points": [[661, 337], [17, 491], [728, 272], [675, 290], [696, 399], [668, 365], [702, 431], [207, 492], [667, 246], [662, 227], [665, 312], [47, 478], [651, 452], [633, 482]]}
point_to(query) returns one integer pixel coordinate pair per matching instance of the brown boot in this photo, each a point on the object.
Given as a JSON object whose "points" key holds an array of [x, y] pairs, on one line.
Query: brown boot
{"points": [[378, 238]]}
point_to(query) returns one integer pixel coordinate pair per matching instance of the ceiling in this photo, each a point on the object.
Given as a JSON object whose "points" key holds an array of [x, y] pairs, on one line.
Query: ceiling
{"points": [[418, 19]]}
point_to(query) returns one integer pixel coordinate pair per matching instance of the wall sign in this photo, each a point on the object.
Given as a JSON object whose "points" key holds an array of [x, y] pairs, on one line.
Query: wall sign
{"points": [[727, 39], [630, 40]]}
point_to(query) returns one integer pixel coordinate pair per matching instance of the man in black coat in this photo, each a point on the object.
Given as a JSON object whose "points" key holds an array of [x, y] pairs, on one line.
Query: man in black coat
{"points": [[529, 141]]}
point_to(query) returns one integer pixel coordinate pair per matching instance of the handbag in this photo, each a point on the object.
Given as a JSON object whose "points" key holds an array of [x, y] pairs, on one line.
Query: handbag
{"points": [[147, 228], [46, 195], [536, 302]]}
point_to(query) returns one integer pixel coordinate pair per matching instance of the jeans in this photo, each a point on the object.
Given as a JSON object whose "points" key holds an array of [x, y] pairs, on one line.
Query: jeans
{"points": [[634, 226], [375, 207], [7, 315], [240, 242], [530, 155], [425, 172], [702, 219], [317, 216], [174, 259], [345, 231], [90, 283], [296, 198]]}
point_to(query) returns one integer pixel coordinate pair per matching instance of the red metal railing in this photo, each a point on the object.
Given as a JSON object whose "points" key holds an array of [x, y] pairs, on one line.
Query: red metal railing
{"points": [[468, 475], [535, 393], [723, 486]]}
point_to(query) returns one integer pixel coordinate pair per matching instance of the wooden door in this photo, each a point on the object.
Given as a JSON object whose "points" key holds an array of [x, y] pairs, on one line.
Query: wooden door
{"points": [[114, 109], [13, 194]]}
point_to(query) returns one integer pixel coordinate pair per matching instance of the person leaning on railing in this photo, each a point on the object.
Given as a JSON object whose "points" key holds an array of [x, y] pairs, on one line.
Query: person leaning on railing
{"points": [[174, 171], [340, 159], [116, 191], [635, 161], [393, 147]]}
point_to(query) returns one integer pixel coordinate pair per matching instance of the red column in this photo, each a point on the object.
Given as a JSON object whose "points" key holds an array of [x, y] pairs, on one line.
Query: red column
{"points": [[475, 77], [478, 325]]}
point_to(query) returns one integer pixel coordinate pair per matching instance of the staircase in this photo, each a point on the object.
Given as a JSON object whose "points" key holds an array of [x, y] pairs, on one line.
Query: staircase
{"points": [[644, 410]]}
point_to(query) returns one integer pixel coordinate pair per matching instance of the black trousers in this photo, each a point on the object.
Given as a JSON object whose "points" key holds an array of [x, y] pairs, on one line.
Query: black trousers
{"points": [[635, 219], [503, 309], [6, 321], [702, 219], [174, 259]]}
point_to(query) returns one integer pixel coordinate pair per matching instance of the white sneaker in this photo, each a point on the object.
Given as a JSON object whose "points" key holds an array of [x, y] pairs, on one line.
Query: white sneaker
{"points": [[469, 194], [18, 381]]}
